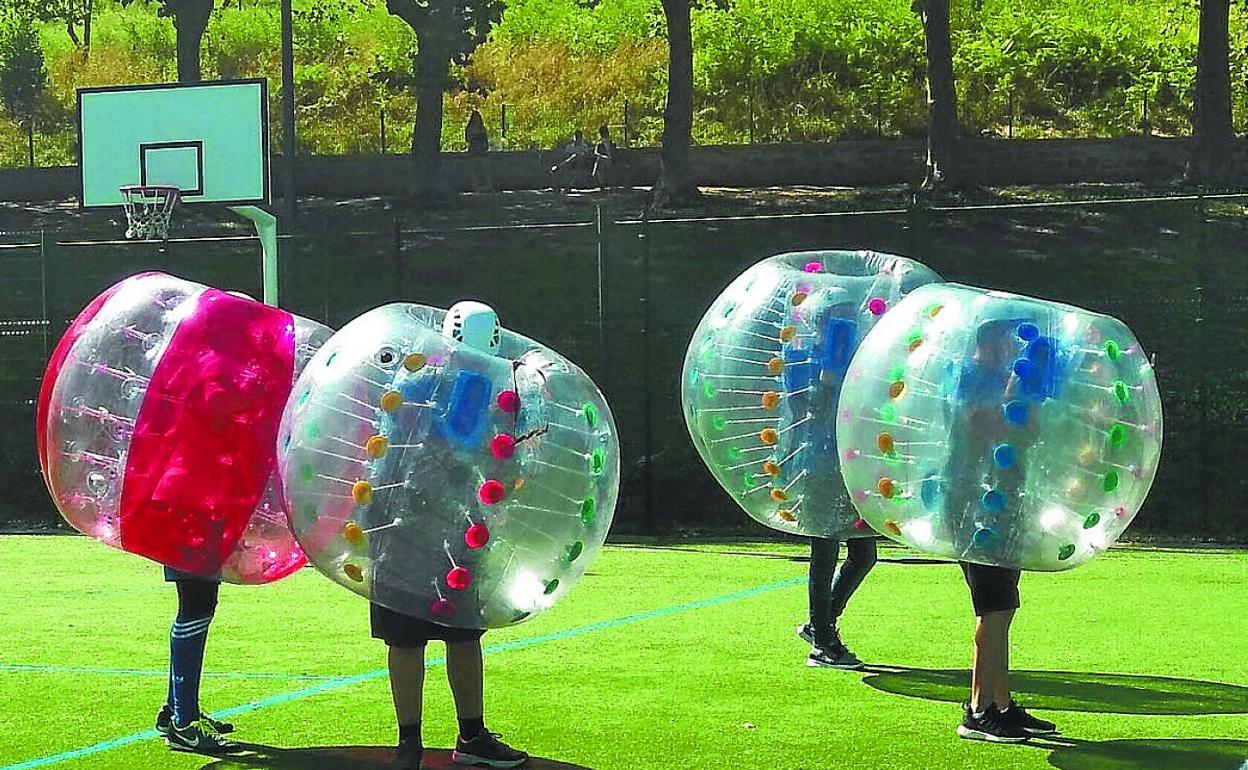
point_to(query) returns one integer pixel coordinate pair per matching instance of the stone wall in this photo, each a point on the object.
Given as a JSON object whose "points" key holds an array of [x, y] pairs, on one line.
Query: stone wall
{"points": [[844, 163]]}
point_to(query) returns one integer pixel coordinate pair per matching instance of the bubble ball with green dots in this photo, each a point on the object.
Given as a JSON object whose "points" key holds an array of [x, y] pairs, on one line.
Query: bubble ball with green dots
{"points": [[999, 429], [763, 373], [464, 485]]}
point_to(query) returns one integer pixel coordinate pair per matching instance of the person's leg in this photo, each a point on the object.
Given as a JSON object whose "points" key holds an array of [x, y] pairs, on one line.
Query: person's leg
{"points": [[464, 672], [197, 603], [819, 588], [860, 559], [990, 672], [407, 684]]}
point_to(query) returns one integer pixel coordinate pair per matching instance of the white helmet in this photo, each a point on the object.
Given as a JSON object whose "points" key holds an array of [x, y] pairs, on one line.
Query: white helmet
{"points": [[475, 324]]}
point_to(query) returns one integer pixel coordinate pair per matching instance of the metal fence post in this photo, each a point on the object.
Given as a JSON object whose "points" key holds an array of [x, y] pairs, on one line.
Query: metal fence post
{"points": [[382, 113], [647, 382], [503, 129], [604, 359], [625, 122]]}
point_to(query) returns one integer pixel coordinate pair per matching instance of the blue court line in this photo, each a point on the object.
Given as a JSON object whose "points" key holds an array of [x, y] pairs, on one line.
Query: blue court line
{"points": [[337, 683], [31, 668]]}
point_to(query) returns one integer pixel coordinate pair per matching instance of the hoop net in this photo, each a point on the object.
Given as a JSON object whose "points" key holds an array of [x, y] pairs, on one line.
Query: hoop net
{"points": [[148, 210]]}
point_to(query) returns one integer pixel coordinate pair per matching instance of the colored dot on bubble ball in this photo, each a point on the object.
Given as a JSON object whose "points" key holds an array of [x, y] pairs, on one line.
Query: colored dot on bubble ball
{"points": [[1004, 455], [993, 500], [708, 389], [719, 422], [934, 310], [1121, 392], [503, 446], [1118, 435], [982, 537], [1092, 521], [779, 495], [898, 372], [798, 298], [886, 487], [851, 454], [459, 578], [574, 551], [1027, 331], [477, 536], [915, 342], [519, 485], [376, 446], [888, 413], [1110, 482], [860, 524], [1112, 350], [442, 608], [353, 571], [308, 473], [812, 267], [892, 527], [771, 400], [492, 492], [589, 508], [551, 586], [597, 462], [886, 443], [877, 306], [897, 390], [733, 453], [391, 401], [768, 436], [788, 333], [770, 468], [590, 414], [747, 480], [508, 401], [786, 515], [775, 365], [362, 492], [414, 362], [1015, 412], [1024, 368], [1066, 552], [352, 533]]}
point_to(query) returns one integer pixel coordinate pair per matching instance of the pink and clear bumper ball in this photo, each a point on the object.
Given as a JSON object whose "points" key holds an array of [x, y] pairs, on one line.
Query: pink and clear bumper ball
{"points": [[444, 482], [763, 373], [1000, 429], [158, 416], [268, 550]]}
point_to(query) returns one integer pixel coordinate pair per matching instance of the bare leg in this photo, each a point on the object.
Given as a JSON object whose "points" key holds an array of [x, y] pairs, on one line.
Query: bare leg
{"points": [[463, 671], [990, 676], [407, 682]]}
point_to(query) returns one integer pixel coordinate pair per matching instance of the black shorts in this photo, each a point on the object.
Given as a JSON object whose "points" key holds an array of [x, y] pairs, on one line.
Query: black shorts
{"points": [[176, 576], [399, 630], [993, 589]]}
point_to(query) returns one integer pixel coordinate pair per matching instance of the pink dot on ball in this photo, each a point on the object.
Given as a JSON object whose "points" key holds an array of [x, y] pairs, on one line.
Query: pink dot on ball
{"points": [[813, 267], [860, 496], [845, 415], [860, 524], [805, 288], [442, 608], [877, 306], [851, 454], [477, 536], [508, 401], [459, 578], [492, 491], [1121, 511], [503, 446]]}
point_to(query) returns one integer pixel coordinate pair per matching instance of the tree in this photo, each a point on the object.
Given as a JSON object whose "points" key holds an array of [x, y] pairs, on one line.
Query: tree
{"points": [[190, 19], [71, 13], [1213, 138], [447, 31], [675, 184], [22, 74], [942, 97]]}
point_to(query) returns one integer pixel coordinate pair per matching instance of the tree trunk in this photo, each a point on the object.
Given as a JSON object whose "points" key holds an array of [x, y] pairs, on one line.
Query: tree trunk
{"points": [[675, 184], [190, 19], [942, 97], [86, 30], [432, 68], [1213, 138]]}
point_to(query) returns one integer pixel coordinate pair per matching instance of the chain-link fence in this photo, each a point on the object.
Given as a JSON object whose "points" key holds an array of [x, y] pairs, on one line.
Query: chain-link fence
{"points": [[622, 295]]}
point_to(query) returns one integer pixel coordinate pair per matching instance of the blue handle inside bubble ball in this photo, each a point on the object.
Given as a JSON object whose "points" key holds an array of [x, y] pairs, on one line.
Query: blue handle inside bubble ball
{"points": [[462, 419]]}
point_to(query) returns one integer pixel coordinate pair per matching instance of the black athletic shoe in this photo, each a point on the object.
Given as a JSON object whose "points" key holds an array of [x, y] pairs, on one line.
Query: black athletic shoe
{"points": [[806, 632], [199, 736], [486, 749], [408, 755], [164, 721], [992, 726], [833, 657], [1030, 724]]}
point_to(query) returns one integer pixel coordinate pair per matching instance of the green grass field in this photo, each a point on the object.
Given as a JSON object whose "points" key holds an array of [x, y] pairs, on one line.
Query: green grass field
{"points": [[680, 656]]}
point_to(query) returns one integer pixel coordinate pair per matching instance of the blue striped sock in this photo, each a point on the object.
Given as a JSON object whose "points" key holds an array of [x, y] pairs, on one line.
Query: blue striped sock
{"points": [[186, 662]]}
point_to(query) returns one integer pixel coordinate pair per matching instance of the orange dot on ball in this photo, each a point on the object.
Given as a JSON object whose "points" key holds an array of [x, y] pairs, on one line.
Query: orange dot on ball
{"points": [[391, 401], [786, 514], [779, 495], [352, 533], [414, 362], [775, 365], [354, 572], [788, 333], [799, 298], [768, 436], [771, 469], [771, 400], [885, 442], [376, 446], [886, 487], [892, 527], [362, 492], [897, 390]]}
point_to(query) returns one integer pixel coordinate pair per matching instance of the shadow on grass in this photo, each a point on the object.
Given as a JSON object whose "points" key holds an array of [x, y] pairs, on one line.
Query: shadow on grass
{"points": [[1073, 691], [254, 756], [1148, 754]]}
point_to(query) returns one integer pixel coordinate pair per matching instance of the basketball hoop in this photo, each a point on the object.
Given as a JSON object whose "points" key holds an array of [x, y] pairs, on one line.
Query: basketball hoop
{"points": [[149, 208]]}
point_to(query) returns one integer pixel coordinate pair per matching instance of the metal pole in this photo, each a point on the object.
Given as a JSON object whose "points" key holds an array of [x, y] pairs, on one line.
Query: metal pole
{"points": [[1009, 125], [647, 384], [288, 113], [625, 122], [504, 128], [603, 358], [383, 130]]}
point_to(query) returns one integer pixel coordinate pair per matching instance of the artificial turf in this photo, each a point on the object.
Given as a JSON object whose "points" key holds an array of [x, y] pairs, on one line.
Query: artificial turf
{"points": [[677, 656]]}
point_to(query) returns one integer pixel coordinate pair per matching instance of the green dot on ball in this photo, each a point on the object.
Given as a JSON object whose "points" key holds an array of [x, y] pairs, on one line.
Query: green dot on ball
{"points": [[1110, 481], [1066, 552], [1113, 350], [898, 372], [888, 413], [708, 389], [551, 586], [589, 508], [591, 414], [1092, 521], [733, 453], [597, 462], [307, 472], [1122, 392], [719, 423], [1118, 435], [574, 550]]}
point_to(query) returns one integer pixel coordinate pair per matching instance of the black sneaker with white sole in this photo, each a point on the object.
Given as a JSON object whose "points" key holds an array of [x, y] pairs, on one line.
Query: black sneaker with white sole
{"points": [[806, 632], [408, 755], [833, 657], [164, 721], [991, 725], [1031, 725], [487, 750], [199, 736]]}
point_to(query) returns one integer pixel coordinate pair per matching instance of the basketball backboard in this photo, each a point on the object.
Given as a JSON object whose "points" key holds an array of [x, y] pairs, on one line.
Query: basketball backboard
{"points": [[210, 140]]}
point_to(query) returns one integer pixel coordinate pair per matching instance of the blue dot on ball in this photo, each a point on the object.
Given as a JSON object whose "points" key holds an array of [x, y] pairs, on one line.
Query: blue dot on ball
{"points": [[1027, 331], [1004, 456], [1024, 368], [1015, 412], [993, 501], [982, 537], [1040, 350]]}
